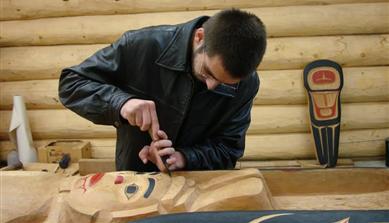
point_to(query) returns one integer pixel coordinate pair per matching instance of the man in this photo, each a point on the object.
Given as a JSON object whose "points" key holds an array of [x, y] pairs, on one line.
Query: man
{"points": [[191, 86]]}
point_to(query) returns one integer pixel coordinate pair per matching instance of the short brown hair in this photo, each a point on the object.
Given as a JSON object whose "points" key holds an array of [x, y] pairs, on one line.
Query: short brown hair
{"points": [[237, 36]]}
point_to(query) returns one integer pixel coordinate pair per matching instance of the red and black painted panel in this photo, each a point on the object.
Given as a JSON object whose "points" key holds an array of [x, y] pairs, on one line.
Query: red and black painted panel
{"points": [[323, 80]]}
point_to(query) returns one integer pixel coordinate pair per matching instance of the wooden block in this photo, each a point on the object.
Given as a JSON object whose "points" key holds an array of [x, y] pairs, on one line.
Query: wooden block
{"points": [[54, 150], [88, 166], [42, 167]]}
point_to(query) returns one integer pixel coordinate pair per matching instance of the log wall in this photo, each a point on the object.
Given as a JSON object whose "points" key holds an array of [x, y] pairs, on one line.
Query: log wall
{"points": [[38, 38]]}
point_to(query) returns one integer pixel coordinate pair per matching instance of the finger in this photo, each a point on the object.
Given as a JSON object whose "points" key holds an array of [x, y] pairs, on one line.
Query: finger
{"points": [[171, 161], [173, 167], [163, 143], [146, 120], [161, 166], [154, 121], [144, 154], [162, 134], [131, 119], [138, 119], [166, 151]]}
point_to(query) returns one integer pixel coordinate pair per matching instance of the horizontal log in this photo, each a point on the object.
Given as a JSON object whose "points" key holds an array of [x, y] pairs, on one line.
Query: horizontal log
{"points": [[361, 84], [46, 62], [32, 9], [353, 144], [61, 123], [289, 164], [280, 21], [356, 143], [267, 119], [39, 94], [35, 63]]}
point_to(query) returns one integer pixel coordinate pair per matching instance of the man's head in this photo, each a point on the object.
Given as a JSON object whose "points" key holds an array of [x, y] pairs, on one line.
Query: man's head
{"points": [[228, 47]]}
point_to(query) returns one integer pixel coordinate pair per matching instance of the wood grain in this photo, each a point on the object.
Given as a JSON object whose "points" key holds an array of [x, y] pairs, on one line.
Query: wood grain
{"points": [[46, 62], [280, 21]]}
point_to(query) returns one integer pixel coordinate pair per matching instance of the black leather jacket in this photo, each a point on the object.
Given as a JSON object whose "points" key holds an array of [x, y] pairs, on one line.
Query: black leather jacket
{"points": [[154, 63]]}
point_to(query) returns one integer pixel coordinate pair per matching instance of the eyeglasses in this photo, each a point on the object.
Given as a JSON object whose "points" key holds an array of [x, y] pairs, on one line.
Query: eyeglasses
{"points": [[220, 85], [204, 74]]}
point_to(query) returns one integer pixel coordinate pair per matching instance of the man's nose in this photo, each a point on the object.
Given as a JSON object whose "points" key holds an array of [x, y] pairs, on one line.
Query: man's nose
{"points": [[211, 83]]}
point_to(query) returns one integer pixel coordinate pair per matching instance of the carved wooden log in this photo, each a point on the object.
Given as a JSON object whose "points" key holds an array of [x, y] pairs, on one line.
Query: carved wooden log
{"points": [[20, 9], [63, 123], [280, 21], [32, 63], [362, 84], [125, 196], [355, 143]]}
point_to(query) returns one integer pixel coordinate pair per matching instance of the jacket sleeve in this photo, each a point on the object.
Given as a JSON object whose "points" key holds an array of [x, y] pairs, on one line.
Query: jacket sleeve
{"points": [[223, 149], [91, 90]]}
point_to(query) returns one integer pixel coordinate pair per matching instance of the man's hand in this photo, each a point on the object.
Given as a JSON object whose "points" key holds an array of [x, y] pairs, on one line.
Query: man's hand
{"points": [[141, 113], [160, 148], [176, 161]]}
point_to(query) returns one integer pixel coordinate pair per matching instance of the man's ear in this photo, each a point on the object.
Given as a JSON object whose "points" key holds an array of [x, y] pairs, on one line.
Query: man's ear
{"points": [[198, 36]]}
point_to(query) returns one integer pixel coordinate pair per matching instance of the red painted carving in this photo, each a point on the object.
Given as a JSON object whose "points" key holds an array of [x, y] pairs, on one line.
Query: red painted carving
{"points": [[119, 179], [95, 178], [83, 183], [323, 77], [320, 114]]}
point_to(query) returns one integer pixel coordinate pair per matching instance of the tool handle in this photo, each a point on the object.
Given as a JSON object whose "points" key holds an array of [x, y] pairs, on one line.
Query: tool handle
{"points": [[64, 162]]}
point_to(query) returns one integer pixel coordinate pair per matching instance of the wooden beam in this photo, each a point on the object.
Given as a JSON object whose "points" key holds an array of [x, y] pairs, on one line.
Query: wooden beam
{"points": [[289, 164], [266, 119], [35, 63], [353, 144], [356, 143], [332, 181], [280, 21], [46, 62], [61, 123], [37, 94], [32, 9], [362, 84], [88, 166]]}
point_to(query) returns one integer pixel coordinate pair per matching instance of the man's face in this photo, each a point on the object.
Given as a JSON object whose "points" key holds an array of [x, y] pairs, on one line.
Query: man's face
{"points": [[210, 70]]}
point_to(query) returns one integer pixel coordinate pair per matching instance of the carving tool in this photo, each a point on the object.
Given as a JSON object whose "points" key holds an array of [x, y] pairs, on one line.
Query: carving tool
{"points": [[65, 160], [163, 158]]}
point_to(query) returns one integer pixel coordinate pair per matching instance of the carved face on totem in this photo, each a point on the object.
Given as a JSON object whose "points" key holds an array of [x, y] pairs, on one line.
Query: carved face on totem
{"points": [[117, 191]]}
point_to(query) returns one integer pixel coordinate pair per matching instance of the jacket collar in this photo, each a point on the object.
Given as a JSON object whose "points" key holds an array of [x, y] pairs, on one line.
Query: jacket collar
{"points": [[175, 55]]}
